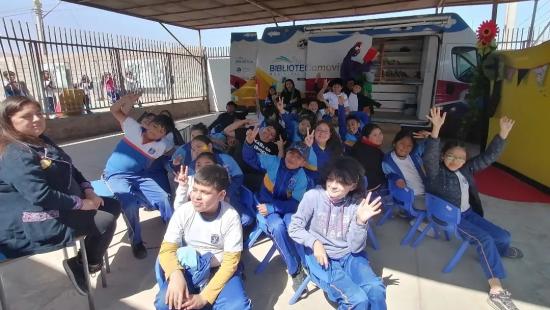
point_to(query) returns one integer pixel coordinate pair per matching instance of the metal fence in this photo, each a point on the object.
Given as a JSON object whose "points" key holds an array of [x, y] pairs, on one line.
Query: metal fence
{"points": [[102, 65], [518, 38], [217, 52]]}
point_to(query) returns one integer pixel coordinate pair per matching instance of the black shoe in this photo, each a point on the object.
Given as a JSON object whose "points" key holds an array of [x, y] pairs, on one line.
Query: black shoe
{"points": [[139, 250], [75, 271], [298, 279], [92, 268]]}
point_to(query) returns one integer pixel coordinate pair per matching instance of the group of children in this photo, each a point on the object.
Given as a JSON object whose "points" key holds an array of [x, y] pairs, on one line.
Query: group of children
{"points": [[317, 187]]}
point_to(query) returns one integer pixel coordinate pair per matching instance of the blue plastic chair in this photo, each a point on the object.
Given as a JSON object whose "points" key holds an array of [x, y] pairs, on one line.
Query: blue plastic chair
{"points": [[404, 200], [443, 216], [249, 200], [313, 268]]}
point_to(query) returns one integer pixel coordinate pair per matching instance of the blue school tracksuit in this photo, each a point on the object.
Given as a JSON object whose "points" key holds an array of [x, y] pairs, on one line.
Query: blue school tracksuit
{"points": [[126, 176], [281, 191], [348, 279], [291, 127], [323, 159], [231, 297], [158, 171], [490, 240], [392, 171], [349, 139], [235, 174]]}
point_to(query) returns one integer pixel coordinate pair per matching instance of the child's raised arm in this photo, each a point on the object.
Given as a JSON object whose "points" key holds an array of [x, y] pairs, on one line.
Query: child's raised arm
{"points": [[494, 149], [122, 106], [431, 152]]}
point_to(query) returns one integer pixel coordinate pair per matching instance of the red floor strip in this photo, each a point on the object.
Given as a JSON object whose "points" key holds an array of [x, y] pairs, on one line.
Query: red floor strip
{"points": [[497, 183]]}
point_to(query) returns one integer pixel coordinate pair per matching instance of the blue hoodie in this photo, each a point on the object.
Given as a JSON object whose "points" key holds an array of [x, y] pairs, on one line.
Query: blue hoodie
{"points": [[334, 224], [348, 139], [282, 188]]}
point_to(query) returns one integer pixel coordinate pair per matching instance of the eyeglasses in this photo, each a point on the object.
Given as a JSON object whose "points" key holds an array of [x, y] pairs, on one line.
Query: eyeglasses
{"points": [[459, 160]]}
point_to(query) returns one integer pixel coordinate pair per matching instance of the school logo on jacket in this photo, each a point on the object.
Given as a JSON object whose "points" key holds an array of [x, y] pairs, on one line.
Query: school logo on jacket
{"points": [[214, 239], [291, 185]]}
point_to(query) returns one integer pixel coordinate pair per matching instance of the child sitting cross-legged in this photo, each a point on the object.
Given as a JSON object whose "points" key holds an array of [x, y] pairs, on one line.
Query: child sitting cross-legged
{"points": [[203, 237], [333, 220]]}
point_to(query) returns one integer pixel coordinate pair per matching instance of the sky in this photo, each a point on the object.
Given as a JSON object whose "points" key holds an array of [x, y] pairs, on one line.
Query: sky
{"points": [[74, 16]]}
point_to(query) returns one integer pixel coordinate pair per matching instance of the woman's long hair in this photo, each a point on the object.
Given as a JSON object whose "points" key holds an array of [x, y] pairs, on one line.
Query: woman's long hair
{"points": [[8, 134]]}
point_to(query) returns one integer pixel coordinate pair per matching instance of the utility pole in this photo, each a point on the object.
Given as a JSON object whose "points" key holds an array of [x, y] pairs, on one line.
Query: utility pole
{"points": [[40, 23]]}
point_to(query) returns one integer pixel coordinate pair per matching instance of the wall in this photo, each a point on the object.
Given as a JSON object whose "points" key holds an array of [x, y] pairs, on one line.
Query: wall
{"points": [[100, 123], [219, 92], [528, 103]]}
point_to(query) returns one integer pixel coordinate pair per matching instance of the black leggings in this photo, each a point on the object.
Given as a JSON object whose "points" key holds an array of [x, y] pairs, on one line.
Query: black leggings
{"points": [[98, 226]]}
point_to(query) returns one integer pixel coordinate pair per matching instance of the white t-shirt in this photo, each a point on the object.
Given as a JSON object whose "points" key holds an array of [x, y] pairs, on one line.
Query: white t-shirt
{"points": [[412, 177], [353, 102], [223, 234], [332, 99], [49, 88], [464, 193]]}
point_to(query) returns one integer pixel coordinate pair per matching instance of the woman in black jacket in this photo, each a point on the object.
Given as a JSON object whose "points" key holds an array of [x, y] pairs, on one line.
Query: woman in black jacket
{"points": [[46, 202]]}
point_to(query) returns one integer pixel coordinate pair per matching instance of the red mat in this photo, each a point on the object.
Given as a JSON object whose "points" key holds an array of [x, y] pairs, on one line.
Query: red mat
{"points": [[497, 183]]}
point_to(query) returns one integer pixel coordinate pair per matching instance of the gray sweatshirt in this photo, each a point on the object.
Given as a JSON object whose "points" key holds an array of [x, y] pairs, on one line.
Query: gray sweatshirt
{"points": [[333, 224]]}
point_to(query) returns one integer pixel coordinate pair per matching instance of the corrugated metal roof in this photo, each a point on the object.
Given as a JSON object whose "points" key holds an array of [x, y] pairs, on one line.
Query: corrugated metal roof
{"points": [[209, 14]]}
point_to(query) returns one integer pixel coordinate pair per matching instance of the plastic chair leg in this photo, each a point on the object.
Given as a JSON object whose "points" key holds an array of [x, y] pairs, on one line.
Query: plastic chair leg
{"points": [[387, 214], [91, 304], [106, 262], [266, 260], [3, 300], [412, 231], [253, 237], [447, 236], [300, 290], [373, 240], [423, 234], [458, 255]]}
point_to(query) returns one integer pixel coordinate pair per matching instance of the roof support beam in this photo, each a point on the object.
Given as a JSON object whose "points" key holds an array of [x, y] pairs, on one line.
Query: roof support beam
{"points": [[439, 7], [179, 42], [265, 8]]}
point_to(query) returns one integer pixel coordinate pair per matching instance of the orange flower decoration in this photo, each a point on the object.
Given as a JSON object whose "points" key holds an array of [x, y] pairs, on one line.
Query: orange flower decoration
{"points": [[487, 31]]}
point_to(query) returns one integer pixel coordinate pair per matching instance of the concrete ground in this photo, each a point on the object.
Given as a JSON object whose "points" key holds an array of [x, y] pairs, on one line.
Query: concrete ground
{"points": [[413, 276]]}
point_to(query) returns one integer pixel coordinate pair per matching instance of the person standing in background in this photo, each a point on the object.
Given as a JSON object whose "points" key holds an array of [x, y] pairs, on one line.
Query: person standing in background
{"points": [[49, 93], [12, 87], [86, 85]]}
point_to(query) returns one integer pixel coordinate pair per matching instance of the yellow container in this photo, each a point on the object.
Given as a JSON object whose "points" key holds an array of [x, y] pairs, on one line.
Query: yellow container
{"points": [[71, 101]]}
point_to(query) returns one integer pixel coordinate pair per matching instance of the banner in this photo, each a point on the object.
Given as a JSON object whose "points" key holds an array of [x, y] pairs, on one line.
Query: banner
{"points": [[282, 55], [242, 68], [540, 73]]}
